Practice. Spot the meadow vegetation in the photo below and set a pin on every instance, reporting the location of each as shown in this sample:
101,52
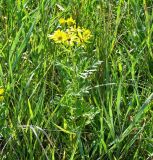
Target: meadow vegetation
89,98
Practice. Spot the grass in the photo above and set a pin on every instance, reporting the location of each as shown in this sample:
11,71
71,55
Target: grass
76,103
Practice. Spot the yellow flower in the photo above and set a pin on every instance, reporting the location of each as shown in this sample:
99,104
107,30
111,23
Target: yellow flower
87,33
70,21
58,36
62,21
84,35
71,39
1,94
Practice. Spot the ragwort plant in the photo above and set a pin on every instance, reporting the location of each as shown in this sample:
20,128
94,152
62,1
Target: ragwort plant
71,41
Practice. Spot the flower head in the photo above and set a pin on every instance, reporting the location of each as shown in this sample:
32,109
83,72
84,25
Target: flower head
87,33
71,39
58,36
62,21
70,21
84,35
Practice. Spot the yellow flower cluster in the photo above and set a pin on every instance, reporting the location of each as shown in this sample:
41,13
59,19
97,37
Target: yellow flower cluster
1,94
70,35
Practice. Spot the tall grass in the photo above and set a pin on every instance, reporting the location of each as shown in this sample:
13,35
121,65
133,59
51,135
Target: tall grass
80,103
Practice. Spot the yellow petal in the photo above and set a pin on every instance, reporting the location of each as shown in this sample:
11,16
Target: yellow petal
1,91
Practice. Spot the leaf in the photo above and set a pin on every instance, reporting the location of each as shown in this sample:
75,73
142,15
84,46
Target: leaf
30,109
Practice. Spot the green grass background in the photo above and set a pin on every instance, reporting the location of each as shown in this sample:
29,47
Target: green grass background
71,104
